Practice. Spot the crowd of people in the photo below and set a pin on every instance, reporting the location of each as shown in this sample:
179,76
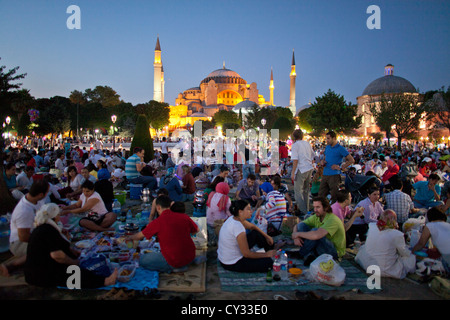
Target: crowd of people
340,193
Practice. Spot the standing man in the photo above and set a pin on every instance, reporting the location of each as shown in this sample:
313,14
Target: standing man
164,151
302,155
333,166
133,167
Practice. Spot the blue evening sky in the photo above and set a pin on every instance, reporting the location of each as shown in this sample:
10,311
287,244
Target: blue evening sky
334,49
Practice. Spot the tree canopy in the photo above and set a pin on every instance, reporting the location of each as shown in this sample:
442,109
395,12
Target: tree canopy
332,112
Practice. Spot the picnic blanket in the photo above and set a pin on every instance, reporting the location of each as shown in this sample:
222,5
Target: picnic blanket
251,282
192,280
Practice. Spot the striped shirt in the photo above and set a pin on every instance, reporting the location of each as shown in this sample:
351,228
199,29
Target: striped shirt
130,167
400,203
275,207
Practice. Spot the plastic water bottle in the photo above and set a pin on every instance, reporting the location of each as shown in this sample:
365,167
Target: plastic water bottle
284,265
129,216
4,234
117,207
145,215
276,268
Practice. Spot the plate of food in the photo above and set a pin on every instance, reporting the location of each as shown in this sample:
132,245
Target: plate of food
84,244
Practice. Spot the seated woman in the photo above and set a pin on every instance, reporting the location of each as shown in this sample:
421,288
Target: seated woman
49,255
98,218
73,184
172,185
341,208
235,243
385,247
438,230
218,208
105,188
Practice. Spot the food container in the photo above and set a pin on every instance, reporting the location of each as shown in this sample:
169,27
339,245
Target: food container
131,228
126,272
295,272
84,244
124,255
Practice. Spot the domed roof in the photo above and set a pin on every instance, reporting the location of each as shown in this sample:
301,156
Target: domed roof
389,84
306,106
224,76
245,105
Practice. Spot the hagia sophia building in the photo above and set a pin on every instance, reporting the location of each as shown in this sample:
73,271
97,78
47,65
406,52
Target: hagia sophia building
225,89
222,89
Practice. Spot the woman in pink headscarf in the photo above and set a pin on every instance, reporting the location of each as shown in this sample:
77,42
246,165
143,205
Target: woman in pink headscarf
392,170
218,204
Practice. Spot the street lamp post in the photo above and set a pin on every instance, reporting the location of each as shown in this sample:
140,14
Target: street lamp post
8,121
114,119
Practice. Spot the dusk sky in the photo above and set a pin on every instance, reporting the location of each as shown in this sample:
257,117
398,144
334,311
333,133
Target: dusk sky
334,48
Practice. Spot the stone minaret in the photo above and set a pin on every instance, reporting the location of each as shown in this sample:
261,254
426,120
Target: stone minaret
162,83
292,75
157,74
271,87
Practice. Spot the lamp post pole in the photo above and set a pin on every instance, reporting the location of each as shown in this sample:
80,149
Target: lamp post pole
114,119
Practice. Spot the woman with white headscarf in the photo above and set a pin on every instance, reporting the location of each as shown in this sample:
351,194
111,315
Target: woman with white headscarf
385,247
49,255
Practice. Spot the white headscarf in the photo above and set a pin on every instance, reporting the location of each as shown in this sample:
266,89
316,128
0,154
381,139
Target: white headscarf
46,214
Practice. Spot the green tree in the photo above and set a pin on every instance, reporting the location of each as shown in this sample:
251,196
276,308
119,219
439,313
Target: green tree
142,138
403,112
303,120
285,127
438,102
332,112
256,114
54,117
157,113
224,116
8,93
104,95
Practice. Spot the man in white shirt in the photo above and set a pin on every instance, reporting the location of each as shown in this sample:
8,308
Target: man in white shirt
22,224
302,156
25,178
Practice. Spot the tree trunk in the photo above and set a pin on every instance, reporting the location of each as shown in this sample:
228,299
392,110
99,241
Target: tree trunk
7,201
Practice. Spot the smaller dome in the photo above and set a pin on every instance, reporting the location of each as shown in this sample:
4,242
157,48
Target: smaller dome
245,106
306,106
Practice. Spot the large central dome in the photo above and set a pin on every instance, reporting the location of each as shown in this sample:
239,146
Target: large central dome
224,76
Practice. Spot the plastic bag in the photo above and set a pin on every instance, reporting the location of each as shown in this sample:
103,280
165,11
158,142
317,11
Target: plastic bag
325,270
414,223
98,264
201,238
261,223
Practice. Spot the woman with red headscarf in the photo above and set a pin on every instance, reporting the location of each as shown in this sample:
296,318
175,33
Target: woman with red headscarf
218,208
392,170
385,247
218,204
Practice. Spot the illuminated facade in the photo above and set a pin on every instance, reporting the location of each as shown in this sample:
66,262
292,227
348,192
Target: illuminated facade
222,89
